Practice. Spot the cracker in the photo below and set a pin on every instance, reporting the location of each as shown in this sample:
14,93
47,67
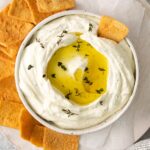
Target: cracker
20,10
6,69
37,135
54,141
26,124
8,90
38,16
112,29
55,5
10,114
12,30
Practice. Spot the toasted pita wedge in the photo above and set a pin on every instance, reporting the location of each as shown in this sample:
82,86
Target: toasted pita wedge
47,6
20,10
8,90
10,113
12,49
5,58
38,16
54,141
12,30
37,135
26,124
6,69
112,29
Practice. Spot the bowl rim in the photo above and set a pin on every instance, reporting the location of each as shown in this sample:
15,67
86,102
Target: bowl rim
94,128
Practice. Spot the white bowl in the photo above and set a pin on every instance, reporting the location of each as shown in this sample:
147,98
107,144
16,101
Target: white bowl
99,126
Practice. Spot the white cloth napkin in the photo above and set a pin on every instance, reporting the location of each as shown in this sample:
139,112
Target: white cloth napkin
136,120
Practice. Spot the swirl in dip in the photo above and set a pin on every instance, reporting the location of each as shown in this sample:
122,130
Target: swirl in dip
74,78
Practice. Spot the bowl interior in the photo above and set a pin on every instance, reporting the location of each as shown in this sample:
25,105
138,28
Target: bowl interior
50,125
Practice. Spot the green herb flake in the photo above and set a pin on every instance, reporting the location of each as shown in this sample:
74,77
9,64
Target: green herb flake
101,102
60,64
86,69
99,91
90,27
53,75
68,112
68,95
44,75
30,67
101,69
77,93
87,81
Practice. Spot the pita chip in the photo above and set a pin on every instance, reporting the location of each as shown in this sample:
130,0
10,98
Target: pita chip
112,29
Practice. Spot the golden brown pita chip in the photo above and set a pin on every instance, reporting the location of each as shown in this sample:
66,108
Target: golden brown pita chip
5,58
20,10
12,30
10,113
47,6
6,69
112,29
37,136
54,141
38,16
26,124
12,49
8,90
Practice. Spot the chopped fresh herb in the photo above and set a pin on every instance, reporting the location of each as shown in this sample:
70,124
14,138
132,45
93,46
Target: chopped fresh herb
29,67
63,86
90,27
99,91
86,69
101,69
65,31
68,112
101,102
58,42
53,75
77,92
77,46
61,36
41,44
87,81
60,64
68,94
44,75
86,55
63,67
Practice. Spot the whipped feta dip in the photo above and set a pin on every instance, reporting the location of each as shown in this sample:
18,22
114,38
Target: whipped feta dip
47,101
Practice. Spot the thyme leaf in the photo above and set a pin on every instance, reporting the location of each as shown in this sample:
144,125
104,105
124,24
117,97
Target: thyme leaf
61,36
68,112
44,75
41,44
30,67
99,91
60,64
90,27
87,81
53,75
86,69
68,94
77,92
101,102
101,69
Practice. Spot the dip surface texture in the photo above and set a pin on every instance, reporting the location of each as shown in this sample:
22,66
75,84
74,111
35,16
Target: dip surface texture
74,78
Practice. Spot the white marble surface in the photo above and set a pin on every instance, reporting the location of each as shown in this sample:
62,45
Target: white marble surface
9,138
